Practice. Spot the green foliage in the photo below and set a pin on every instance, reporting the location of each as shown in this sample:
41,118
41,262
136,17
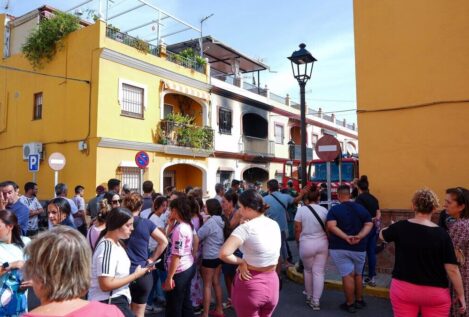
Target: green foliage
140,45
178,129
42,44
191,57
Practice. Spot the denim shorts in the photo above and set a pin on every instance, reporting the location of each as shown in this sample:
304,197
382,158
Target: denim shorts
348,261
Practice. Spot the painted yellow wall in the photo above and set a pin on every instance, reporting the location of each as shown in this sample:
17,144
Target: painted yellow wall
186,175
412,53
195,109
65,115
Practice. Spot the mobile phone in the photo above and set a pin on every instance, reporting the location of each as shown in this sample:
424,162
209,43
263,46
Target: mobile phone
149,265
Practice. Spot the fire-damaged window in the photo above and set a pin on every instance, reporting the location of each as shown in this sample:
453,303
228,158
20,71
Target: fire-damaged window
224,121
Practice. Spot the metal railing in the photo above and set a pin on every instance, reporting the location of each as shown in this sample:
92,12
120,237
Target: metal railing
186,62
257,146
309,153
126,39
187,135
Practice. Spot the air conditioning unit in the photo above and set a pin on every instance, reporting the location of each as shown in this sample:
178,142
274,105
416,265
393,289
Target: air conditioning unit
31,148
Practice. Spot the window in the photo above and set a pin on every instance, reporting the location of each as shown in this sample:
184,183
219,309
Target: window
224,121
37,110
132,101
314,140
278,133
168,109
130,176
225,178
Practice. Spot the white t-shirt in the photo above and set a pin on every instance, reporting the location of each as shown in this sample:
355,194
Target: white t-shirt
158,221
109,259
10,252
80,204
261,241
310,227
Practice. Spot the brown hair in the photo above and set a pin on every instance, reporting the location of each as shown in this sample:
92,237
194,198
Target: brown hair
10,219
133,201
425,201
313,194
461,196
60,260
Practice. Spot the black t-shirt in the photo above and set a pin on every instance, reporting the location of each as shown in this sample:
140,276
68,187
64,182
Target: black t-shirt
421,253
368,201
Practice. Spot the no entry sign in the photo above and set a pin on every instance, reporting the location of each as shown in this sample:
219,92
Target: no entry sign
328,148
142,159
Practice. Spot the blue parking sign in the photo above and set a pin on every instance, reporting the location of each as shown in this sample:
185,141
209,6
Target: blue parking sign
33,162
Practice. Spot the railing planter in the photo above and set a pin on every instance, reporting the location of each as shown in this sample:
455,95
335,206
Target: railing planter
186,135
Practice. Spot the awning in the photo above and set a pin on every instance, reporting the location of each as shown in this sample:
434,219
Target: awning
186,90
127,164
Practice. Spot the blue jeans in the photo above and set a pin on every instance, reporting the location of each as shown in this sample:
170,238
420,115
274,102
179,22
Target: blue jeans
159,277
371,253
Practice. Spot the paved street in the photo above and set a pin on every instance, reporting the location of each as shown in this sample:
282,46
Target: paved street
292,304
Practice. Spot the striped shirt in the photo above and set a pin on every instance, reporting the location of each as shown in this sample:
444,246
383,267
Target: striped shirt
109,259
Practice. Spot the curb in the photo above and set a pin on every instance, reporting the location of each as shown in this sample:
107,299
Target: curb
296,277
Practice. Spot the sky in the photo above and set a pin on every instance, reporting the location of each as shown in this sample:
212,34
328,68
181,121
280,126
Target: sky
262,29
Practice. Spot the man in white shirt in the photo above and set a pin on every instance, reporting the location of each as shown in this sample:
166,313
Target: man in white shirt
30,200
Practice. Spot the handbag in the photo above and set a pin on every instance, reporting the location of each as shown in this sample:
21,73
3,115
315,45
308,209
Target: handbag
12,298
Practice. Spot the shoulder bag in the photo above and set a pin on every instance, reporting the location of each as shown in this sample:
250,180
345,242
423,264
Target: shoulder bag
317,217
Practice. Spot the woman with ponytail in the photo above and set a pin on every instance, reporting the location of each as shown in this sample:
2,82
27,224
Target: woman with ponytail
12,287
110,269
255,290
179,259
99,223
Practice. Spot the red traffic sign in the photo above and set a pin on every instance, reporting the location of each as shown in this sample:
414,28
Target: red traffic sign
328,148
57,161
142,159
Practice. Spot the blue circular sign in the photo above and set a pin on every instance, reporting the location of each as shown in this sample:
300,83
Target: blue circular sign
142,159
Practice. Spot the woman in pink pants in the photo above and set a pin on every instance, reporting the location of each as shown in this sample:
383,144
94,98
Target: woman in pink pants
425,260
310,231
255,289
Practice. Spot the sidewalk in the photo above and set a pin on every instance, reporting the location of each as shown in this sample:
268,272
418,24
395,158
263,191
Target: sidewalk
334,281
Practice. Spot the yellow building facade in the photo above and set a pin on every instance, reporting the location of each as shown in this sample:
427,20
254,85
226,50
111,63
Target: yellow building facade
83,92
412,76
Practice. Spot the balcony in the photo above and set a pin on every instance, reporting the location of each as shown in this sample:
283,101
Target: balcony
126,39
145,47
309,153
185,135
256,146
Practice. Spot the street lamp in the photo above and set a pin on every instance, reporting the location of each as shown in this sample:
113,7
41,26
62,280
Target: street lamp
300,61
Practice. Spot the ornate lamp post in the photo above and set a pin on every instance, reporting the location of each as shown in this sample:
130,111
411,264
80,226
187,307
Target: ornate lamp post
302,66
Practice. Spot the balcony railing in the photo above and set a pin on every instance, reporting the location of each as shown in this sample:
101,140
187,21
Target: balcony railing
186,62
126,39
257,146
186,135
309,153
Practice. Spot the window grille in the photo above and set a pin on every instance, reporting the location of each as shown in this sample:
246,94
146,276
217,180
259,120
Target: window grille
132,102
37,109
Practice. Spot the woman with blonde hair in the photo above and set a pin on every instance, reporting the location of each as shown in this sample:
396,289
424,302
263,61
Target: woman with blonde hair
425,259
59,265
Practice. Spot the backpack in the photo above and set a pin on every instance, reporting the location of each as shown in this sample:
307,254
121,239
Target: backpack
12,299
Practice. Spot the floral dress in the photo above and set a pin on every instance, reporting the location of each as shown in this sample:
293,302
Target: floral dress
459,233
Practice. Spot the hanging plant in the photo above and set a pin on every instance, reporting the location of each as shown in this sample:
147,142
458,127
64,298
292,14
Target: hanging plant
42,44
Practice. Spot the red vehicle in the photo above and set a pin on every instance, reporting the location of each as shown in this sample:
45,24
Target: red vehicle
317,173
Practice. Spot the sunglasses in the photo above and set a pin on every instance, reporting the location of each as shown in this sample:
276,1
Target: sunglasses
117,201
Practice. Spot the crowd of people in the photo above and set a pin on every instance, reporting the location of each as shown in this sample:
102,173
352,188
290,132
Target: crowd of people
125,253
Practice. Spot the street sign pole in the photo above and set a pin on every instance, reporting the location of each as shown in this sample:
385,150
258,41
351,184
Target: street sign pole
34,177
56,180
329,185
141,181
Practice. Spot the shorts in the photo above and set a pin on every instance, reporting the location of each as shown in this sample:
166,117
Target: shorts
211,263
141,288
348,261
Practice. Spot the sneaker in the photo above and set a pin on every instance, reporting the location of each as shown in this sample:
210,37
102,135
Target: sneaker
227,304
372,282
348,308
359,304
315,306
198,310
153,309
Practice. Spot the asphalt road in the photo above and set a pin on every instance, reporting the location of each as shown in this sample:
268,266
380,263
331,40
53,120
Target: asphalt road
292,303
